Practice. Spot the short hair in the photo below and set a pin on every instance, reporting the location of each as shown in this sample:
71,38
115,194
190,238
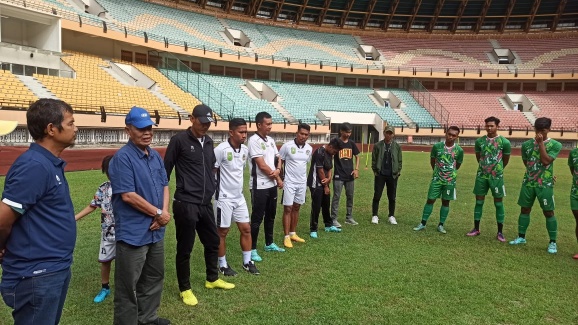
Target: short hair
336,144
105,163
455,128
236,122
303,126
261,116
43,112
492,119
542,123
345,127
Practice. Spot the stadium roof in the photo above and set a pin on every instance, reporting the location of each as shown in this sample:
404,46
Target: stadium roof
450,16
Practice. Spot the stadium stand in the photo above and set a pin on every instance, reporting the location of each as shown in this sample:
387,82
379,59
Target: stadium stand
303,101
561,107
417,113
93,87
470,109
14,92
536,52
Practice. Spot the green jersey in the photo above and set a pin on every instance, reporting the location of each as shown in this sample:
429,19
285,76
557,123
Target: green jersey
538,175
446,159
492,151
573,162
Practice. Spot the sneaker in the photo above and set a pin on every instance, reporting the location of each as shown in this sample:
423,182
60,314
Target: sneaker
158,321
219,284
351,221
227,271
189,298
419,227
575,257
501,237
274,248
474,232
392,220
336,224
332,229
286,242
552,248
255,256
518,241
251,268
441,229
375,220
313,234
101,295
297,238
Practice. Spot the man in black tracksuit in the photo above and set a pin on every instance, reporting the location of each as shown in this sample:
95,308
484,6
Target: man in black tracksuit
191,153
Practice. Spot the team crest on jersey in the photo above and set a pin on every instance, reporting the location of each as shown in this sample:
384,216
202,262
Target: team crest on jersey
308,152
244,157
271,144
293,151
229,156
263,146
192,148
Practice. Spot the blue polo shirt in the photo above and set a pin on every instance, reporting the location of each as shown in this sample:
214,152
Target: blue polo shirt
131,170
43,237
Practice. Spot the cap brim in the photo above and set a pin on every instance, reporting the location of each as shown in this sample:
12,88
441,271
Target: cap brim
204,119
7,127
143,124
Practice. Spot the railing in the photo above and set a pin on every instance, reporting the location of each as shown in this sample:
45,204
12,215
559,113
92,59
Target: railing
425,99
29,70
374,66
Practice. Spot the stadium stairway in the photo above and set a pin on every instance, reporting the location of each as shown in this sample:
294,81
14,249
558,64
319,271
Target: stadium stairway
36,87
182,112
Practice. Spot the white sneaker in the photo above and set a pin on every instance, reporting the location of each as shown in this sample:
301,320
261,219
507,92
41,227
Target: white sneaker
392,220
375,220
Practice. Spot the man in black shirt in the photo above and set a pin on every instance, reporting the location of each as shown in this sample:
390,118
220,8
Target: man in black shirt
386,165
344,174
318,181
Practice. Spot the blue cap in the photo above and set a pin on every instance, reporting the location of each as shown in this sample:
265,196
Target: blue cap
138,117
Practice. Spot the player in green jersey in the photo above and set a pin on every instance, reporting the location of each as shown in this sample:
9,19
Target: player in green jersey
573,163
445,159
538,155
493,154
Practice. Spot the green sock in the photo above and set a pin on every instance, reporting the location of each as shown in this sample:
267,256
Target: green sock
552,226
444,211
427,210
478,210
500,213
523,223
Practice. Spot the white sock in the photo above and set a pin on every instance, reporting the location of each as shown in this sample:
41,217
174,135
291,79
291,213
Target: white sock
287,236
292,233
246,257
222,261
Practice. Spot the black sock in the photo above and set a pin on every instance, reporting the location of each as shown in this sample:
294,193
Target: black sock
521,235
477,224
423,222
500,227
440,224
105,286
552,241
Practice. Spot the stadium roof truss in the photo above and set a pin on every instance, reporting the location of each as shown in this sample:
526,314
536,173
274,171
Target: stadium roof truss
449,16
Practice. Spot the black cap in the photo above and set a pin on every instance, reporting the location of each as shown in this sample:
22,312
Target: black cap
203,113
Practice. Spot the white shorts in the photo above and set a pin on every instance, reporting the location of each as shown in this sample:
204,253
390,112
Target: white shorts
294,194
107,251
227,211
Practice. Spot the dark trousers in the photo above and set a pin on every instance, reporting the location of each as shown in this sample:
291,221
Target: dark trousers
319,203
138,282
191,218
264,202
379,183
39,299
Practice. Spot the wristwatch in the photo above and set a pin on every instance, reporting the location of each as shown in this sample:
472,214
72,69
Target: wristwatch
159,213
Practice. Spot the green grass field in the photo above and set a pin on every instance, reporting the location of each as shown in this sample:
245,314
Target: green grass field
369,274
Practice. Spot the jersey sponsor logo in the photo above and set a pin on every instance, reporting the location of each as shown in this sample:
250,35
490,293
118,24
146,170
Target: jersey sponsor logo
345,153
229,156
58,180
192,148
293,151
263,146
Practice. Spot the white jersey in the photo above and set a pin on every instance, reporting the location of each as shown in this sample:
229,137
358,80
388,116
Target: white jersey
266,148
296,158
230,163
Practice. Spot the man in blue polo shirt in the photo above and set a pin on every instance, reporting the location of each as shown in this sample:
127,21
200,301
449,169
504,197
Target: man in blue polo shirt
140,200
37,227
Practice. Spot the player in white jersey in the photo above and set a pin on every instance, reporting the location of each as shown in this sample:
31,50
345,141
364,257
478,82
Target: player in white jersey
295,155
230,205
263,184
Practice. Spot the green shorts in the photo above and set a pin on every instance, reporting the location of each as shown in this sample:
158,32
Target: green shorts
446,192
545,197
496,186
574,200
